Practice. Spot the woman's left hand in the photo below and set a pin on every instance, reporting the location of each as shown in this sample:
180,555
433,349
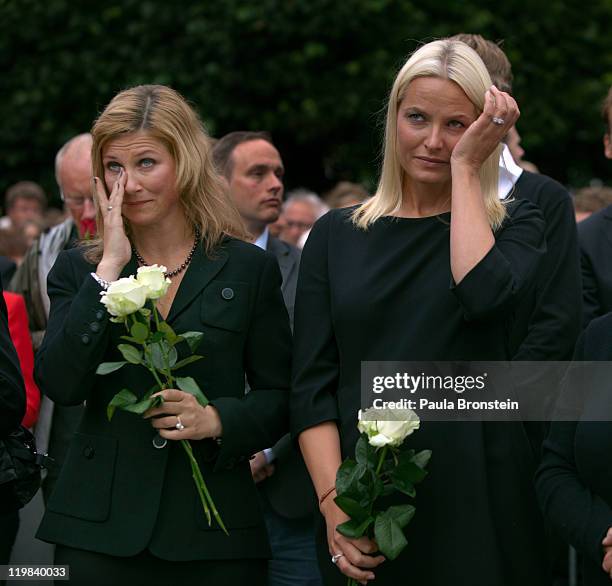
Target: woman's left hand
607,548
181,417
480,139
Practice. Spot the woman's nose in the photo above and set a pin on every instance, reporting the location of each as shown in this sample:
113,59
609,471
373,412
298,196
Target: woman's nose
433,140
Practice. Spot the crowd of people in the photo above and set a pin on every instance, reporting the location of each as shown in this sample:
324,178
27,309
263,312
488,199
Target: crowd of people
464,252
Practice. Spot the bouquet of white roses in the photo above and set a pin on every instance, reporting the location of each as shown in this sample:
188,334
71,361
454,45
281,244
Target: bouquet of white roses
379,469
151,343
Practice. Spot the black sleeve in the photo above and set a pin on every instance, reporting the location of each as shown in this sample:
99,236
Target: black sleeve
554,323
497,281
580,516
73,347
315,359
589,232
12,390
258,420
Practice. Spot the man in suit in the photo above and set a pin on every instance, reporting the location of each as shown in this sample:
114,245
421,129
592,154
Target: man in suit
595,236
253,170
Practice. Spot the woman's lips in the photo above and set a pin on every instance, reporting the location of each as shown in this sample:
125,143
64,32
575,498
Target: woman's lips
136,203
432,162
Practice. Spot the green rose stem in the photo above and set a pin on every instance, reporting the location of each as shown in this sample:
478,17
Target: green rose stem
205,497
381,461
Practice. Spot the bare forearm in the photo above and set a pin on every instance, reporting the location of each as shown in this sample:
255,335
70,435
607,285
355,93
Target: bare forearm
320,447
471,237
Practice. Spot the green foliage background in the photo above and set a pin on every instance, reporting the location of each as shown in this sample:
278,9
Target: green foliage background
313,72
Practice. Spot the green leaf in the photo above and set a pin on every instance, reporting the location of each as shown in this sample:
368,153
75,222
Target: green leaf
365,453
186,361
140,332
188,385
130,339
108,367
168,332
348,476
422,458
402,514
193,339
171,353
402,485
157,356
157,337
352,508
121,400
144,311
131,354
143,405
389,536
409,472
353,529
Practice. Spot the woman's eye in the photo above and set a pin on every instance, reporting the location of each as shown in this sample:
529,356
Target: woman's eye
456,124
113,167
147,163
415,117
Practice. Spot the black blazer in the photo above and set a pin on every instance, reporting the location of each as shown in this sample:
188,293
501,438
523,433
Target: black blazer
574,482
547,322
12,391
117,494
595,238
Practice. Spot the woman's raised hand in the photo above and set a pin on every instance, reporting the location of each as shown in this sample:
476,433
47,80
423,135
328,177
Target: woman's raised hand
353,556
117,247
486,132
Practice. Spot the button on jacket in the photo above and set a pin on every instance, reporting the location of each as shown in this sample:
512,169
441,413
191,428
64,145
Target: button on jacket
119,493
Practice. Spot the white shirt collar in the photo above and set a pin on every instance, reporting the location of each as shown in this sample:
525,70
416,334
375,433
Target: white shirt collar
509,172
262,241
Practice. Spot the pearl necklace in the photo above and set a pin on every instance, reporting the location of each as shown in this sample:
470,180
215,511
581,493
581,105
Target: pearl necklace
184,265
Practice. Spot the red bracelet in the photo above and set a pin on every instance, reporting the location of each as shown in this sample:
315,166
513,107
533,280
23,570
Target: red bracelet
326,494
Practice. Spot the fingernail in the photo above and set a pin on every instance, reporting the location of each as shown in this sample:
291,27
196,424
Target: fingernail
95,180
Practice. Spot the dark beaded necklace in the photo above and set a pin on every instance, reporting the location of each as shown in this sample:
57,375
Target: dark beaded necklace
176,271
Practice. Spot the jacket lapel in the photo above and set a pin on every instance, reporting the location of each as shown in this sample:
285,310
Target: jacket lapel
200,272
285,262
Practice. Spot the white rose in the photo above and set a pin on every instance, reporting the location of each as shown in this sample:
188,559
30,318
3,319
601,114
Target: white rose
153,279
391,431
124,296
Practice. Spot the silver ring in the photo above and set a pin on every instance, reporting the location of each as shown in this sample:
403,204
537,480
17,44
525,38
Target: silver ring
109,208
336,557
179,424
498,121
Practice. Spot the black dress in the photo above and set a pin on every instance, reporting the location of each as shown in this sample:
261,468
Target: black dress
388,294
574,482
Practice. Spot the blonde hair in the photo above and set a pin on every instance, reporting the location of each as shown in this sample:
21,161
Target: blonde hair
164,114
444,59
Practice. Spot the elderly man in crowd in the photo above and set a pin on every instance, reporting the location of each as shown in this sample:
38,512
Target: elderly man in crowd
595,235
73,173
301,210
253,170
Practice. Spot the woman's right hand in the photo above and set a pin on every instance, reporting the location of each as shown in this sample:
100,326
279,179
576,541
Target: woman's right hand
117,248
356,560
